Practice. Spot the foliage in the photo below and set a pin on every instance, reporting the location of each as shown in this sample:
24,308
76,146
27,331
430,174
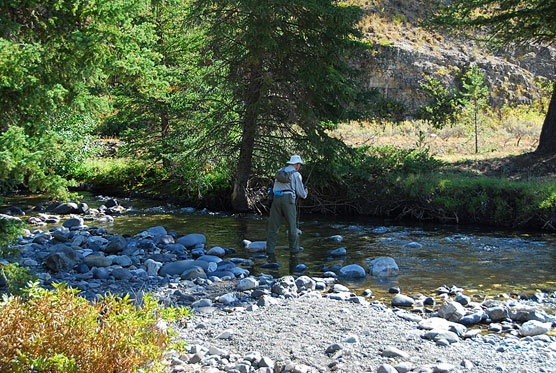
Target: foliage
121,174
342,180
387,109
442,109
485,200
16,277
157,81
474,98
509,21
506,20
25,161
183,179
51,56
283,73
9,230
58,331
75,142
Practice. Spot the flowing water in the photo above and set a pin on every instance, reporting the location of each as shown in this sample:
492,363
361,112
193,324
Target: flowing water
480,260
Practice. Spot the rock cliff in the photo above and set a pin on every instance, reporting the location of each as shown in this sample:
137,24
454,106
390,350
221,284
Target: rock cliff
404,52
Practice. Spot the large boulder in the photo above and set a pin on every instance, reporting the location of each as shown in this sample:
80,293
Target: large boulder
451,311
13,211
217,251
338,252
123,260
116,245
193,273
285,286
175,248
176,268
74,221
97,261
534,327
210,258
66,208
384,266
497,313
157,231
305,283
122,274
153,267
401,300
60,233
352,271
192,240
63,259
248,283
205,265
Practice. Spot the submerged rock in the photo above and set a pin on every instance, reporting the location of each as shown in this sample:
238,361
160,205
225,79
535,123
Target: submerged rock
383,267
352,271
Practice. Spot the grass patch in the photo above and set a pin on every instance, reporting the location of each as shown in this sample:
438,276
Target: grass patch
456,198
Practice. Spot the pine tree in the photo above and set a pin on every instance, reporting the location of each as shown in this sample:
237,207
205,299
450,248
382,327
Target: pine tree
283,67
509,21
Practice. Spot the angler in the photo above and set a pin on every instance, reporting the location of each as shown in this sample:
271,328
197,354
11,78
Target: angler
288,186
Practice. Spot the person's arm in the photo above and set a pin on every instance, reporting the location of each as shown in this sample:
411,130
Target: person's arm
300,190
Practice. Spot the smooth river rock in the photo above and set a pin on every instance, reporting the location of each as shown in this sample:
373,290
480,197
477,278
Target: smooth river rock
97,261
352,271
192,240
401,300
383,267
176,268
534,327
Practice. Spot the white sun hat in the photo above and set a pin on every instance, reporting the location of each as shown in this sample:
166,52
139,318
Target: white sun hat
295,159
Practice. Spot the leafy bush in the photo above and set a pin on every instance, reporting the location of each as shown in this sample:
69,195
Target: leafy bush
24,161
73,135
9,230
469,199
388,109
443,103
15,277
58,331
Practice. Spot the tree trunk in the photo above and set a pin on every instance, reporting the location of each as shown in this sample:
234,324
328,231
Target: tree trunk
245,161
547,141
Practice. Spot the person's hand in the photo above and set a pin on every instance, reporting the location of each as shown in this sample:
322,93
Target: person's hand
306,191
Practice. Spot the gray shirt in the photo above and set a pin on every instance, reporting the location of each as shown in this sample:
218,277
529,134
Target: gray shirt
295,186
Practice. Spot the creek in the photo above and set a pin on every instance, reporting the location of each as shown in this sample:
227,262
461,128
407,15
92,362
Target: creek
480,260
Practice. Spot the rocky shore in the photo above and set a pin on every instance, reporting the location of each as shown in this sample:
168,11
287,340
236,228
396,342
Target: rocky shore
245,323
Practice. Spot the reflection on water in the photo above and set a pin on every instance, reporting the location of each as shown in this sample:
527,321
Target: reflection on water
428,256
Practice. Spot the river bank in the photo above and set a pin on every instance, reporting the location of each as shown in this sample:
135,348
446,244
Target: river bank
245,322
397,184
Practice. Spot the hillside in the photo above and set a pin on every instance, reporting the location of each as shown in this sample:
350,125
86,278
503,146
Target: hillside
403,52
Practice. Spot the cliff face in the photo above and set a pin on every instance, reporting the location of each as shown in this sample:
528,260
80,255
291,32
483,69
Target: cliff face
403,53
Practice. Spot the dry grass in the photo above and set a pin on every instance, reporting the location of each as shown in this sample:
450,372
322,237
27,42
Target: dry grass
510,133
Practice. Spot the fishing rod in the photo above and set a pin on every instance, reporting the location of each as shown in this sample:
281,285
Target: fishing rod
298,212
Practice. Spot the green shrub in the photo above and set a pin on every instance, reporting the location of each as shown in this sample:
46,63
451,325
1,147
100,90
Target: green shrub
16,277
9,230
25,160
58,331
473,199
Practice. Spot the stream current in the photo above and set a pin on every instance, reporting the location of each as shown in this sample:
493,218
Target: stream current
480,260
